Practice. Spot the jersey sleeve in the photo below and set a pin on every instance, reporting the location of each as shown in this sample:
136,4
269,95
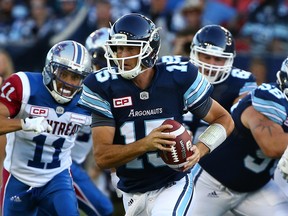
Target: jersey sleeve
91,100
244,80
271,102
198,89
11,94
248,86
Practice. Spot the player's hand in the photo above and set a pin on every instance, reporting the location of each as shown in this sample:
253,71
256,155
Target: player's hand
157,139
192,160
283,164
38,125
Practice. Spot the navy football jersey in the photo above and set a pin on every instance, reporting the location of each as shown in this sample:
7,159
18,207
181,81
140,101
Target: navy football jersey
238,82
174,88
239,163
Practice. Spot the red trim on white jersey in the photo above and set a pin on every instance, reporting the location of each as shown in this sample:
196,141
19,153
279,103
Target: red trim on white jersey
11,94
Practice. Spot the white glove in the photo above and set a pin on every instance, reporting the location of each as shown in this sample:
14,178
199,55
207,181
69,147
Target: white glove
114,181
38,125
283,164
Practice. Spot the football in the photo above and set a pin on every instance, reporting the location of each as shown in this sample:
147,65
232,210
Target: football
176,159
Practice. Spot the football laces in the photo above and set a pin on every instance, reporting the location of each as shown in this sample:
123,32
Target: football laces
174,154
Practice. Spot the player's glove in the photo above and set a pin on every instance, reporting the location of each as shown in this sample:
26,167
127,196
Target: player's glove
114,181
283,164
38,125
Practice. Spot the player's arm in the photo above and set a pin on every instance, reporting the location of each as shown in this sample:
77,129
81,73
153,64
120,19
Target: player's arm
240,97
8,125
269,135
221,125
10,104
2,154
108,154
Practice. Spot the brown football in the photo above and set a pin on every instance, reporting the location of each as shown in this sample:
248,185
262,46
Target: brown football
176,159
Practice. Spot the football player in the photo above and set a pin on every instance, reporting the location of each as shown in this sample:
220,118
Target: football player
237,177
95,44
281,173
213,52
40,117
129,103
91,200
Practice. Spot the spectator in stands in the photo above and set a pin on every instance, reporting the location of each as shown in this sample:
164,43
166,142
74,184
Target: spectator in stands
258,68
10,12
6,65
41,20
266,28
103,13
192,11
182,42
166,18
71,21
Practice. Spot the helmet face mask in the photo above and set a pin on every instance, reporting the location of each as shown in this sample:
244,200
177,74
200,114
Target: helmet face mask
61,85
144,51
132,30
67,64
217,42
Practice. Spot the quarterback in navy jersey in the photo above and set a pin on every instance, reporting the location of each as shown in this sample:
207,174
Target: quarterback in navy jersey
237,177
41,119
129,103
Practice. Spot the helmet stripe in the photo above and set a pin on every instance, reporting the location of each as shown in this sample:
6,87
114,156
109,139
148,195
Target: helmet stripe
79,53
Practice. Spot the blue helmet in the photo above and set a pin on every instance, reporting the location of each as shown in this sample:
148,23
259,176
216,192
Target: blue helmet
133,30
65,56
213,40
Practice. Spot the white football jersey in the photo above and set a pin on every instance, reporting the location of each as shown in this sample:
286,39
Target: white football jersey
31,157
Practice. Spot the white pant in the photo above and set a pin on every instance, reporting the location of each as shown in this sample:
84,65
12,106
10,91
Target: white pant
161,202
280,181
212,198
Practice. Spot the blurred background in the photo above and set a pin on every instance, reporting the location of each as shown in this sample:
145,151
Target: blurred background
28,28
